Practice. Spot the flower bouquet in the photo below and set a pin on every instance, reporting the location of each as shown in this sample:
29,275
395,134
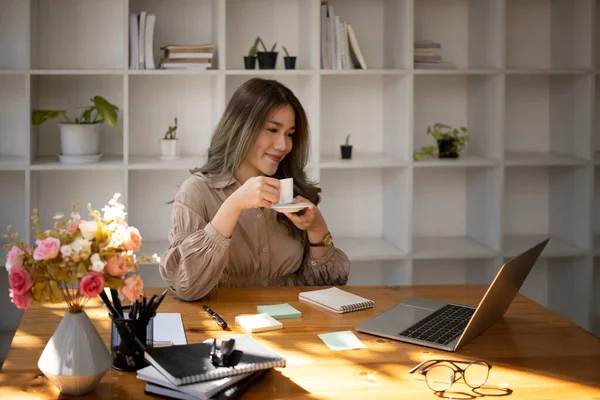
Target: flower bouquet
74,262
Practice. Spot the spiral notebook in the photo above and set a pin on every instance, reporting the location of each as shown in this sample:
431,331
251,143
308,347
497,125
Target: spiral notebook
336,300
190,363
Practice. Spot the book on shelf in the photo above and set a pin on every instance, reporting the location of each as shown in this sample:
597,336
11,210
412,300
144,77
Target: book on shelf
141,40
427,55
191,363
339,43
187,56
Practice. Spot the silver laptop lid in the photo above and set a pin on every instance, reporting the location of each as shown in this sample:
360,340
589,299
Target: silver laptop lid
501,292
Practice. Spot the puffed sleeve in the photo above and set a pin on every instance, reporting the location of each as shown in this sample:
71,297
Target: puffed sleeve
198,253
332,269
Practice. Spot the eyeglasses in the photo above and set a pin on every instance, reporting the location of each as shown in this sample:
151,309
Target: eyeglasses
440,376
220,357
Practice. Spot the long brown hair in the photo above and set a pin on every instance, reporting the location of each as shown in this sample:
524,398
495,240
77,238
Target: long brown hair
243,120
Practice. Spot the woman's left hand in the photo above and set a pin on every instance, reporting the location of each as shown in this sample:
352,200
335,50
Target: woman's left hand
311,220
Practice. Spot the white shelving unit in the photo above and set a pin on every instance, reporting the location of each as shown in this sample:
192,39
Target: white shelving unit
526,86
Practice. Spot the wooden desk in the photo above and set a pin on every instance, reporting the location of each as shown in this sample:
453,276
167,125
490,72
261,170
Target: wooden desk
534,352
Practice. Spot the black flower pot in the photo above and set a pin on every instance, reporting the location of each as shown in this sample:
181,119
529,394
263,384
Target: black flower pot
267,59
290,62
446,149
346,151
250,62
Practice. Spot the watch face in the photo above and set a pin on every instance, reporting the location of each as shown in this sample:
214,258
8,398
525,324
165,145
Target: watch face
327,241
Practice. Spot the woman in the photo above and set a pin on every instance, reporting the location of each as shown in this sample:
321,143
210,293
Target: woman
223,230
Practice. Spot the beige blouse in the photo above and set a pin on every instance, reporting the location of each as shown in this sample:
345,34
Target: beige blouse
261,250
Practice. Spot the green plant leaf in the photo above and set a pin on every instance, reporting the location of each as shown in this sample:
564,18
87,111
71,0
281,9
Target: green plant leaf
286,52
252,51
38,117
107,111
262,43
86,115
417,156
273,48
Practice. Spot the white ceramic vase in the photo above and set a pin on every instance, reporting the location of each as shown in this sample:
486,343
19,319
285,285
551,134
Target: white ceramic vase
79,139
75,358
169,149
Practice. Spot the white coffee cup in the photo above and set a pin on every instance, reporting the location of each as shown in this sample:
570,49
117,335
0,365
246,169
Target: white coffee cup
286,190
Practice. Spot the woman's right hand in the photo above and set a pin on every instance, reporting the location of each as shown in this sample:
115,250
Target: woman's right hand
258,191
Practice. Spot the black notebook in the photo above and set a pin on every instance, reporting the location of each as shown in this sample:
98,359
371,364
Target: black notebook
190,363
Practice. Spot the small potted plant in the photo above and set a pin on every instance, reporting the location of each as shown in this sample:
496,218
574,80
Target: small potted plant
168,144
289,61
346,149
267,59
450,141
80,138
250,59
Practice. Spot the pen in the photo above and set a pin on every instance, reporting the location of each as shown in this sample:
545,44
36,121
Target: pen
215,317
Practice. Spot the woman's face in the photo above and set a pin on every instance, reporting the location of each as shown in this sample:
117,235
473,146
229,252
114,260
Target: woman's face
274,142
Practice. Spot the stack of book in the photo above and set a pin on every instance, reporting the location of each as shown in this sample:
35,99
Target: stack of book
427,55
339,45
187,372
187,56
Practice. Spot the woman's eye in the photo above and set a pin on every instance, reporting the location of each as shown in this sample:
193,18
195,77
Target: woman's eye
290,134
272,130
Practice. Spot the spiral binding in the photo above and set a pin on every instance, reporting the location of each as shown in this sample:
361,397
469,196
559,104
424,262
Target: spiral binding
226,372
357,306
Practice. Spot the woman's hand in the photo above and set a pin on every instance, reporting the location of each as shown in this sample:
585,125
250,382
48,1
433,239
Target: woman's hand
256,192
311,220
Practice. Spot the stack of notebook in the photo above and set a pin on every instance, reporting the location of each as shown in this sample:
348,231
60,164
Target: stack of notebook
186,371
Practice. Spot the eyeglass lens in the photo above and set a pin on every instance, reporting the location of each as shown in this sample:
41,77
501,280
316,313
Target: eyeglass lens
476,374
439,378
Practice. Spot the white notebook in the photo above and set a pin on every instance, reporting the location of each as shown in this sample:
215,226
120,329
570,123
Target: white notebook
336,300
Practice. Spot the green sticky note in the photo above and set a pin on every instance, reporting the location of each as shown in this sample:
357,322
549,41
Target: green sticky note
280,311
345,340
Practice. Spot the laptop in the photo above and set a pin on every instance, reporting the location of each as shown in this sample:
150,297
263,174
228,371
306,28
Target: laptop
449,326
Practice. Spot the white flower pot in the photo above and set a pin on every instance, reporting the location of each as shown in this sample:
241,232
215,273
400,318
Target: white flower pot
75,358
79,139
169,149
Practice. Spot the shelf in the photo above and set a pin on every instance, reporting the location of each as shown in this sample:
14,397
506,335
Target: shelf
450,247
456,71
330,161
78,72
160,72
516,244
548,34
532,158
547,71
367,71
155,163
269,72
11,72
466,160
52,163
13,163
368,249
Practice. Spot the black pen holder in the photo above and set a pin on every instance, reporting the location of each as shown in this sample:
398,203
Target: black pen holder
127,353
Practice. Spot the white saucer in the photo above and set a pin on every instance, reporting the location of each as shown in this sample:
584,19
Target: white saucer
87,159
290,207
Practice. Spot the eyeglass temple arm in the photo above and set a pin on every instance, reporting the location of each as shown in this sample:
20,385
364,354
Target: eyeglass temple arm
420,365
449,361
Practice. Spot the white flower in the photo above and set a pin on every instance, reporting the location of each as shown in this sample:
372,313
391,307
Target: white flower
58,216
75,216
114,214
66,250
81,245
119,237
97,263
88,229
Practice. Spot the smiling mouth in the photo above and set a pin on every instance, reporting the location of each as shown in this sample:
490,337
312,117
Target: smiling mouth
274,158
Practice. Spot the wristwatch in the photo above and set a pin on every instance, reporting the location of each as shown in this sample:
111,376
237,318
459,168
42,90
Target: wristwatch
324,242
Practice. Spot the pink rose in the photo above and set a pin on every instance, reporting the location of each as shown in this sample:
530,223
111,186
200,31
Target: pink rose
116,265
21,301
91,284
14,258
73,226
133,287
135,240
46,249
20,280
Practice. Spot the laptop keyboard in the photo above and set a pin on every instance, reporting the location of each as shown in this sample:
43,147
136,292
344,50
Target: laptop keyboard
441,327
